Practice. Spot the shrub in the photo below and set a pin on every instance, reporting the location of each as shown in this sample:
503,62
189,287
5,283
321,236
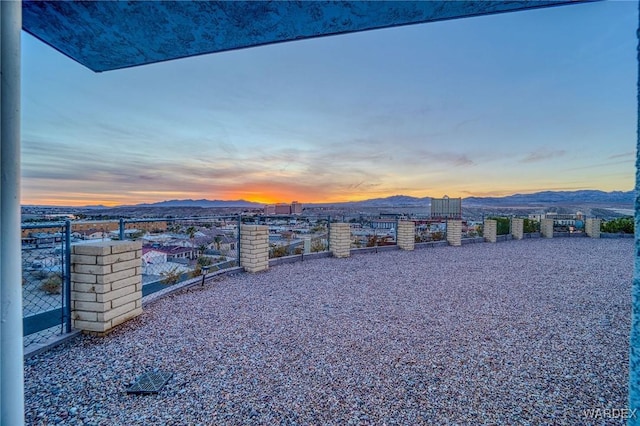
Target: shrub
279,251
437,236
530,226
317,245
171,277
197,271
623,225
503,225
204,261
53,284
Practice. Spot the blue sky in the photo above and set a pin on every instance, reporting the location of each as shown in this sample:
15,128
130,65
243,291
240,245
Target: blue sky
494,105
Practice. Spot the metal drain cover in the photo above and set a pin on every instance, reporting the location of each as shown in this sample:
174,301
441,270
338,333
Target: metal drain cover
150,382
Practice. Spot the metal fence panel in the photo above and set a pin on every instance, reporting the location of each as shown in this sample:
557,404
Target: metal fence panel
46,281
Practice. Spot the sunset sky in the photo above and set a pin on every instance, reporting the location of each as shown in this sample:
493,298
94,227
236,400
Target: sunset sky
494,105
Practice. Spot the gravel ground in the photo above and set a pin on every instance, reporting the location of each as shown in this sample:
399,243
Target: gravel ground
519,332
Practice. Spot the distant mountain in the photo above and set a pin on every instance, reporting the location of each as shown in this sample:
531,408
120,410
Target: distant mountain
393,201
202,203
589,197
555,197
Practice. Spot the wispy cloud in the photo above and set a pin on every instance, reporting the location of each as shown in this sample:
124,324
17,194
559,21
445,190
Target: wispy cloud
543,155
631,155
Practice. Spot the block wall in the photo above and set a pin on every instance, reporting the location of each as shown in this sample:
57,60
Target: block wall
254,248
106,284
546,228
517,228
454,232
340,240
592,227
406,235
490,230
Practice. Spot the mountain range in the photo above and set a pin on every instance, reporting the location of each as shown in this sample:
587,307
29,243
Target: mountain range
614,198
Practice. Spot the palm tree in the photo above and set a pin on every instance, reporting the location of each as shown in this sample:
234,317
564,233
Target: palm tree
191,231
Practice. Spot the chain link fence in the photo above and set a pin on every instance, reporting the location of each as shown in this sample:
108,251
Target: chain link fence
45,281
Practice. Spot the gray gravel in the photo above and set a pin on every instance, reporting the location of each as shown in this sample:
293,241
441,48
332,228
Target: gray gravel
519,332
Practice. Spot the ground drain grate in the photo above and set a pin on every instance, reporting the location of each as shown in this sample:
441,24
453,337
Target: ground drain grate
150,382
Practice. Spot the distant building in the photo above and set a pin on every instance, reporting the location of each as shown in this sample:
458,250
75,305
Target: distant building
446,208
174,252
296,207
383,223
283,208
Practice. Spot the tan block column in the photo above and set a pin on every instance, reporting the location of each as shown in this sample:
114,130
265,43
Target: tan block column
490,230
106,284
406,235
592,227
340,239
254,247
454,232
517,228
546,228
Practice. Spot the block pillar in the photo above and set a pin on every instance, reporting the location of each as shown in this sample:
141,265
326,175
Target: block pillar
517,228
592,227
340,240
254,248
546,228
490,230
406,235
106,284
454,232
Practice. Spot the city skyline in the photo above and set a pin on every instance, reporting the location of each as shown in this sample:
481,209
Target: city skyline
485,106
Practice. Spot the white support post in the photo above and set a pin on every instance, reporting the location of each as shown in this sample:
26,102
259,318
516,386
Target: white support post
11,346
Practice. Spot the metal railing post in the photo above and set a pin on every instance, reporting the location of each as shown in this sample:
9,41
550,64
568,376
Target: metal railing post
121,229
238,245
67,276
328,233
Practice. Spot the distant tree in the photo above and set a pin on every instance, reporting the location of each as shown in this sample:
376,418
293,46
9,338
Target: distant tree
530,226
204,261
623,225
191,232
217,239
503,225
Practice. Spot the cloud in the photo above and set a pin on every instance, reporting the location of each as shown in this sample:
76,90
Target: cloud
542,155
631,155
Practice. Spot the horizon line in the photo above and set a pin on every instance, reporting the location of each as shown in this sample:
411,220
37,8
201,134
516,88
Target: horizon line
102,205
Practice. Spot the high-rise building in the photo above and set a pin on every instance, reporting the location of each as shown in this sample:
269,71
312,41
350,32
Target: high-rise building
282,208
446,208
296,207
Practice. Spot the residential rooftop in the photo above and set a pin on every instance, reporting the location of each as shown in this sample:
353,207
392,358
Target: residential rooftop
519,332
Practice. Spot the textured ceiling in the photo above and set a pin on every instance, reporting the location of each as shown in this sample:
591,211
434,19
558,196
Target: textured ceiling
106,35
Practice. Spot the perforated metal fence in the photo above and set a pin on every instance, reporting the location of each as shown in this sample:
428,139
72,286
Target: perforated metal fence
294,235
46,284
178,249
